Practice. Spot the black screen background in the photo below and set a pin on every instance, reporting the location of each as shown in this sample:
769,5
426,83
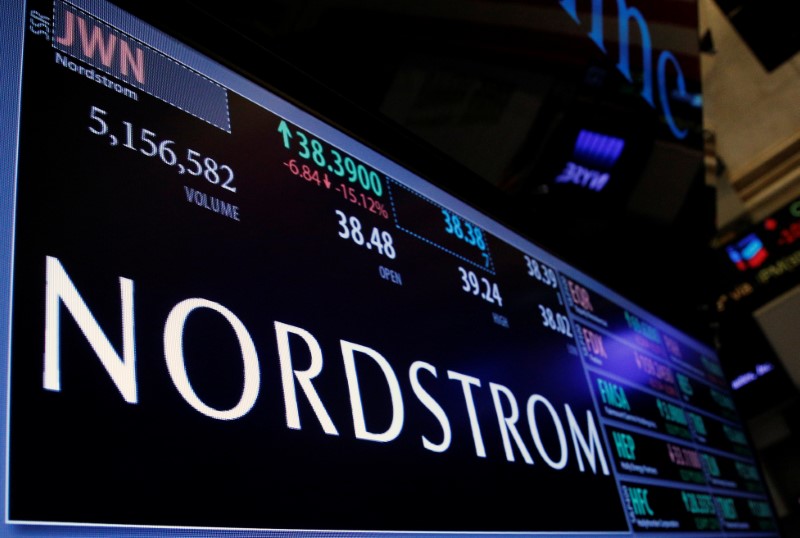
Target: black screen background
84,455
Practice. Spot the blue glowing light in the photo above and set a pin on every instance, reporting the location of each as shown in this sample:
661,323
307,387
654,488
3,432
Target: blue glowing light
749,252
598,150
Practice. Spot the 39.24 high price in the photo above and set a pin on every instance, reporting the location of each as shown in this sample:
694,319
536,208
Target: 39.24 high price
480,287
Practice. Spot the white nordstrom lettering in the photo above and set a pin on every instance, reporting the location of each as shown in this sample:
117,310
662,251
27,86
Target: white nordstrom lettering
122,371
396,400
592,449
173,352
466,383
508,423
60,289
431,405
537,440
304,377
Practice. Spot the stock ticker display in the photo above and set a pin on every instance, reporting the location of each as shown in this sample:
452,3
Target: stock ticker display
227,314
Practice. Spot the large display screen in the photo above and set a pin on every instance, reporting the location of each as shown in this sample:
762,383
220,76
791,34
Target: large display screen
224,314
